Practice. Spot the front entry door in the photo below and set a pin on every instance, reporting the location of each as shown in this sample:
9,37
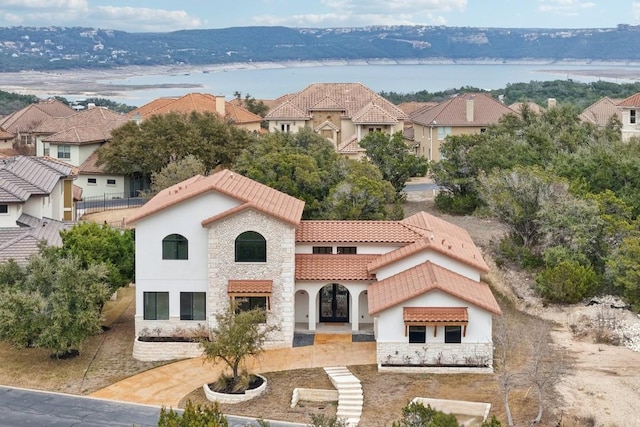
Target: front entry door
334,303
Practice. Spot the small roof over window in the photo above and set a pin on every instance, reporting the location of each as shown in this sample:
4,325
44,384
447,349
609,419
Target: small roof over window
244,287
430,315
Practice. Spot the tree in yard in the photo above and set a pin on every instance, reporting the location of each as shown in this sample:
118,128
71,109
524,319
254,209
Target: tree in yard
623,270
164,139
393,158
93,243
238,334
56,305
515,197
176,172
505,342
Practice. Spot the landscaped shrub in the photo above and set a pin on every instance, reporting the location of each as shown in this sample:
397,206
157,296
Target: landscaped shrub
567,282
193,416
415,414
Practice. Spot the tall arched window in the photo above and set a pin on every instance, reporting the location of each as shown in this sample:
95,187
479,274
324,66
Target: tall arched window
251,247
175,246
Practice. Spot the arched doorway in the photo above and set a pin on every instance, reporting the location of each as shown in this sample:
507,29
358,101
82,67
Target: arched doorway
334,303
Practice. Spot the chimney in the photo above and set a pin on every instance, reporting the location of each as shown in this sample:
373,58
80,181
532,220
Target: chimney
551,103
220,106
470,109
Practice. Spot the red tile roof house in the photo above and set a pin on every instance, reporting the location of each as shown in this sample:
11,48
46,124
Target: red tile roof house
344,113
414,284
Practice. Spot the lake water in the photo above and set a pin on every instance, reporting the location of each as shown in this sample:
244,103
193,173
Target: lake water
263,83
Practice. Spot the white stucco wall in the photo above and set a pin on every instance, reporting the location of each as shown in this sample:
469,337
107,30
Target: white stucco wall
307,248
14,210
428,255
279,268
153,274
308,306
101,188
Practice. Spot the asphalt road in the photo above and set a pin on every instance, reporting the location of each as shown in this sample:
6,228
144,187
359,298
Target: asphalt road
421,187
20,407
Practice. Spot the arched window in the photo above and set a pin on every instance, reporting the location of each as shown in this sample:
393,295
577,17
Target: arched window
251,247
175,246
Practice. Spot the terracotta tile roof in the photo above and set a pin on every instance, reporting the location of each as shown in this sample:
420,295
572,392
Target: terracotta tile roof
453,112
425,278
4,135
77,192
90,167
517,107
249,286
601,112
274,202
355,232
350,146
97,117
199,102
435,314
31,116
411,106
631,101
373,114
347,97
333,267
80,135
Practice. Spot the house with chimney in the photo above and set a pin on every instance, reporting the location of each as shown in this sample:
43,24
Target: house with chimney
343,113
464,114
413,286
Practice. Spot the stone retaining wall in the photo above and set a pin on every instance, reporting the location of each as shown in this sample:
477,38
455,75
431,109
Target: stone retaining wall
313,395
160,351
399,357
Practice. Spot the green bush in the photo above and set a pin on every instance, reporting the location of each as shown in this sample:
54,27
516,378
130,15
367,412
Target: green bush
415,414
193,416
567,282
464,204
513,250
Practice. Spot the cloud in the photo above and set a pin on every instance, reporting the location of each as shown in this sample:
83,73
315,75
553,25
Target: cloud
355,13
635,8
144,19
565,7
27,12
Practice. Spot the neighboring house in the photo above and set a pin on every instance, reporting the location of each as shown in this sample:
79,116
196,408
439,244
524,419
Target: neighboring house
601,112
630,116
344,113
464,114
533,107
6,139
412,285
22,122
36,202
202,103
74,140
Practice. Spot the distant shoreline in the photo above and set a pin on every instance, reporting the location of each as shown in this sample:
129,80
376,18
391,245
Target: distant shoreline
92,83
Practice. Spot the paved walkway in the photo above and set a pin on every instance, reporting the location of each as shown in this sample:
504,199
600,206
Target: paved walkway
168,384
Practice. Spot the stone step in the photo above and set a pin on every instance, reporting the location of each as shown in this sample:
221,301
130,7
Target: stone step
348,413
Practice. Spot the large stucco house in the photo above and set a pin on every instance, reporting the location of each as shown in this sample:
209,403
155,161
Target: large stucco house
630,116
412,285
344,113
464,114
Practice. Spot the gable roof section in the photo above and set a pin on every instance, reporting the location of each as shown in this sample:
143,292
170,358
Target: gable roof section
425,278
19,243
373,114
236,186
629,102
601,112
319,231
345,97
350,146
26,119
88,126
453,112
4,135
333,267
240,115
24,176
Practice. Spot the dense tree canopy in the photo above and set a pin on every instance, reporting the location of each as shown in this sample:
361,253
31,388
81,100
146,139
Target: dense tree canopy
163,139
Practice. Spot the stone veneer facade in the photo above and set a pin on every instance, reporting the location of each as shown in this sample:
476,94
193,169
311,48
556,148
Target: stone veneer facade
279,268
431,355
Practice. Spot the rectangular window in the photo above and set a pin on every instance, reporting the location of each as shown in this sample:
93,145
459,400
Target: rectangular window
92,181
192,305
443,132
347,250
453,334
323,250
632,117
4,209
111,182
156,305
247,303
285,127
417,334
64,151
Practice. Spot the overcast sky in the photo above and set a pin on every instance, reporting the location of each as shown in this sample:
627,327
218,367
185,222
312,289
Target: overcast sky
170,15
